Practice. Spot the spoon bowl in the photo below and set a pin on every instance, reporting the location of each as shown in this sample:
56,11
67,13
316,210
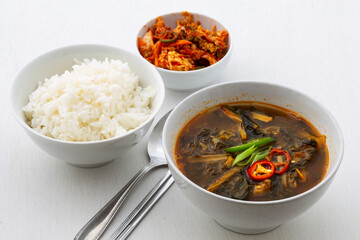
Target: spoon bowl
154,146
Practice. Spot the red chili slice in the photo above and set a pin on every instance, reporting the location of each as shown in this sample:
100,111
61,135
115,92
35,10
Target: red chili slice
279,171
261,170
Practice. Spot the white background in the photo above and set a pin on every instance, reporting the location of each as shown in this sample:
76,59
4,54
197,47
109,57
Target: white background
312,46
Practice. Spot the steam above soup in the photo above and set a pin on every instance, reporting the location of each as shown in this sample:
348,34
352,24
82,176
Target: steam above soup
252,151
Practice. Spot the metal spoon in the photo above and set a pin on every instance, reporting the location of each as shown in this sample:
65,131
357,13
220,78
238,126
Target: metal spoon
97,225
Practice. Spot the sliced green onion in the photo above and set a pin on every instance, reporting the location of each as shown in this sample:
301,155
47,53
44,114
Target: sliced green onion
257,155
244,163
244,154
253,155
257,151
193,31
258,142
170,40
185,36
182,34
261,155
191,27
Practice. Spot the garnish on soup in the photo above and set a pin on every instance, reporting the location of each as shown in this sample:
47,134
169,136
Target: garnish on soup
252,151
186,47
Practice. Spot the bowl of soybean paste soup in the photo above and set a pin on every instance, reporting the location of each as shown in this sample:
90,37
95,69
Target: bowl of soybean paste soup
252,151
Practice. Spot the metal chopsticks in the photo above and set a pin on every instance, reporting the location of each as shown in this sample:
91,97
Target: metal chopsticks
134,218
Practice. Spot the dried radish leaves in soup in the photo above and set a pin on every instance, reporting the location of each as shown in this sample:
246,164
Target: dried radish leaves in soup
252,151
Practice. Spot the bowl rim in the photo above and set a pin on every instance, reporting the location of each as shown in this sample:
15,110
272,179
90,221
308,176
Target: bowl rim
227,54
160,92
173,166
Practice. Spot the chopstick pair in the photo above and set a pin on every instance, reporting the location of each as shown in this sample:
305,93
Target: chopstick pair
134,218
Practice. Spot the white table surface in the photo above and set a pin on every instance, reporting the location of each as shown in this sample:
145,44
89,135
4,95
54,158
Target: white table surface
309,45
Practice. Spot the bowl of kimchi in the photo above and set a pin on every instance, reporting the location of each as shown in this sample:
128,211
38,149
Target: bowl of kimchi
189,50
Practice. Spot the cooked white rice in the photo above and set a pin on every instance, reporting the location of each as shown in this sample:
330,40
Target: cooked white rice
96,100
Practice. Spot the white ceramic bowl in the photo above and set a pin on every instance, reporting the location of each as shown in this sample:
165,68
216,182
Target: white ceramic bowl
83,154
252,217
190,80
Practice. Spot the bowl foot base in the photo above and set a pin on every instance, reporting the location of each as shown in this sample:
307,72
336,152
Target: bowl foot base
249,231
90,165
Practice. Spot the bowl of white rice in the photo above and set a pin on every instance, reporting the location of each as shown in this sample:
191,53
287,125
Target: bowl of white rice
87,104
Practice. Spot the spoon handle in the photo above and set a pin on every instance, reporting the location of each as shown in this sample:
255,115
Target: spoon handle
97,224
142,209
134,214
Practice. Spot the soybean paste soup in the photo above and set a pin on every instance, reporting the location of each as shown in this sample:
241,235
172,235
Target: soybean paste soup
252,151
